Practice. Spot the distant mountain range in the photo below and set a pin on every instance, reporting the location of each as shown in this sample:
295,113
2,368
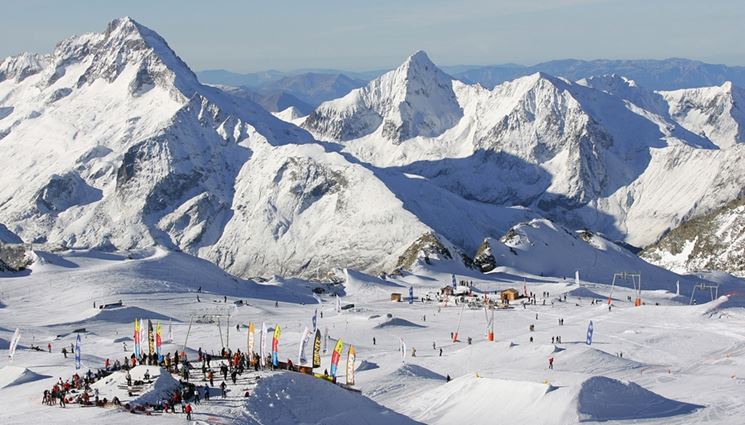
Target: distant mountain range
316,86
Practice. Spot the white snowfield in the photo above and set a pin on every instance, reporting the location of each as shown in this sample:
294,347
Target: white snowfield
665,364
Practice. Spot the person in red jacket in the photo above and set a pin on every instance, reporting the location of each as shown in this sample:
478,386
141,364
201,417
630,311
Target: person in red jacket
187,409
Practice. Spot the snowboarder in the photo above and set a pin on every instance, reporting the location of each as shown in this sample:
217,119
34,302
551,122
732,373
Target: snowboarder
413,352
49,347
551,362
447,378
129,379
64,352
440,351
124,345
224,387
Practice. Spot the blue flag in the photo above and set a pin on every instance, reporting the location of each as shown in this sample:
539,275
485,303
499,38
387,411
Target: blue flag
455,284
77,352
589,334
411,295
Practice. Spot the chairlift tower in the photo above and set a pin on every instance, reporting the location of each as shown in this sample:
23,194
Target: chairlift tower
712,287
636,281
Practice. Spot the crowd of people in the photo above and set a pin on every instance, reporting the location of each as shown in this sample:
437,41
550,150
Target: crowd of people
229,364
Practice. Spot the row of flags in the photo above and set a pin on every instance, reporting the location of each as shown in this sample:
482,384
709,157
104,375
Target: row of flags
305,338
152,336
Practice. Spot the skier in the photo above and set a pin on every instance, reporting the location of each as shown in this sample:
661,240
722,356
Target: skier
447,378
64,351
434,347
551,362
223,387
187,409
211,377
440,351
206,393
124,345
373,340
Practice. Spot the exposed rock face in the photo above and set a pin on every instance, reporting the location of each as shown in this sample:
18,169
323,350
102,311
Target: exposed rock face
714,241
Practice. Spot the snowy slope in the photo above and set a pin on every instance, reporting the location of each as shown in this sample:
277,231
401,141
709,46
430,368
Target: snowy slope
543,248
111,142
588,154
715,112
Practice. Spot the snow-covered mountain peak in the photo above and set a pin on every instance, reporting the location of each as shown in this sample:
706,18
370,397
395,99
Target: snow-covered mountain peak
716,112
415,99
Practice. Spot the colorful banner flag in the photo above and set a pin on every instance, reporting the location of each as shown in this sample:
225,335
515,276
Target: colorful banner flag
250,339
317,349
150,339
411,295
262,344
77,352
351,356
137,338
335,356
304,339
589,334
157,340
143,335
275,346
14,343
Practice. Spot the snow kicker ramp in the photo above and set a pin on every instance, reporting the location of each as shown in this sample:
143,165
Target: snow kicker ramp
397,322
603,399
293,398
469,399
13,375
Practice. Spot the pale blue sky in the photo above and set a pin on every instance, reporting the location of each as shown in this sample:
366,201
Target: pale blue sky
252,35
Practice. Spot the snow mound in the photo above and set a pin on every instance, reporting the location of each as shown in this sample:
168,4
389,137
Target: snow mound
292,398
416,371
14,375
397,321
602,399
472,400
163,384
367,365
128,315
594,361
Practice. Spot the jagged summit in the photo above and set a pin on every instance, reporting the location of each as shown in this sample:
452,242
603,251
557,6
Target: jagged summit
415,99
